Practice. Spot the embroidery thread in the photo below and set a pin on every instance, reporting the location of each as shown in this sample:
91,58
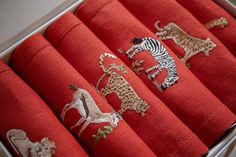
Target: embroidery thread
136,66
191,45
90,113
162,57
219,22
26,148
118,84
101,133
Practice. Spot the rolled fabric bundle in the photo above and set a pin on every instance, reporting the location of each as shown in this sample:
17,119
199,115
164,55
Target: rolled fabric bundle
218,70
197,107
216,19
88,116
159,128
28,126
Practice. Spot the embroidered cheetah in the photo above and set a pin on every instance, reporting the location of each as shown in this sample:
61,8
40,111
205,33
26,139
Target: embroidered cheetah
117,84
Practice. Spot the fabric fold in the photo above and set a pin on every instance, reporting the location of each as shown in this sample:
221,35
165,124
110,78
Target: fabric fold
27,123
216,19
216,71
191,101
158,127
81,109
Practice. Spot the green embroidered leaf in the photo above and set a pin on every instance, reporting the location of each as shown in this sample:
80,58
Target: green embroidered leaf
97,139
108,129
104,136
100,131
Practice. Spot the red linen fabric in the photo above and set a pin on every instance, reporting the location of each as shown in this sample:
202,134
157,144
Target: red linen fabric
198,108
50,74
21,108
208,10
159,128
218,71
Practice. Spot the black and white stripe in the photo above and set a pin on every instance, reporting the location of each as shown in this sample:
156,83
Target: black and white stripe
160,54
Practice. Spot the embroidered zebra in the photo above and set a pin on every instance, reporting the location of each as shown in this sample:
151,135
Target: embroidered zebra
162,57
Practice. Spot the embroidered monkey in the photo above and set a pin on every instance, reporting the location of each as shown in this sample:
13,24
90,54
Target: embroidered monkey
26,148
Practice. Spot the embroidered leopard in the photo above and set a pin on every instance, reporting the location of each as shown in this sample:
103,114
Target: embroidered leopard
117,84
191,45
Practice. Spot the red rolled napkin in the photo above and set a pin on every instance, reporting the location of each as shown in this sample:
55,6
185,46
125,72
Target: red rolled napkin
28,126
216,19
81,108
216,71
198,108
156,124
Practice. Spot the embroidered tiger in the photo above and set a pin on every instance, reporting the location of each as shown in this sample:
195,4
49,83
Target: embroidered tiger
219,22
117,84
191,45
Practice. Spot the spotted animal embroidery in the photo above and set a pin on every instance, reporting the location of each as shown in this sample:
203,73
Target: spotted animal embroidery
219,22
26,148
90,113
162,57
118,84
191,45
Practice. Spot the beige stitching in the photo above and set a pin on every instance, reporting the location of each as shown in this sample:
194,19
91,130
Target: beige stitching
191,45
136,66
90,113
24,147
219,22
117,84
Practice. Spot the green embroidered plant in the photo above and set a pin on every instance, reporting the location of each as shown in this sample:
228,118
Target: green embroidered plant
102,133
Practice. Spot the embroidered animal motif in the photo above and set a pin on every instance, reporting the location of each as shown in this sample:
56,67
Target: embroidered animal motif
137,66
88,109
118,84
26,148
219,22
191,45
162,57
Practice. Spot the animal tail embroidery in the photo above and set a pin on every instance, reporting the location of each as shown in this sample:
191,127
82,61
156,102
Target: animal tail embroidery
14,135
108,71
157,26
101,62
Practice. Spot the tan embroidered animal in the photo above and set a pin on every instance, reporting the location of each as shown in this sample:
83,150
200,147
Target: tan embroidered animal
25,148
88,109
220,22
191,45
117,84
